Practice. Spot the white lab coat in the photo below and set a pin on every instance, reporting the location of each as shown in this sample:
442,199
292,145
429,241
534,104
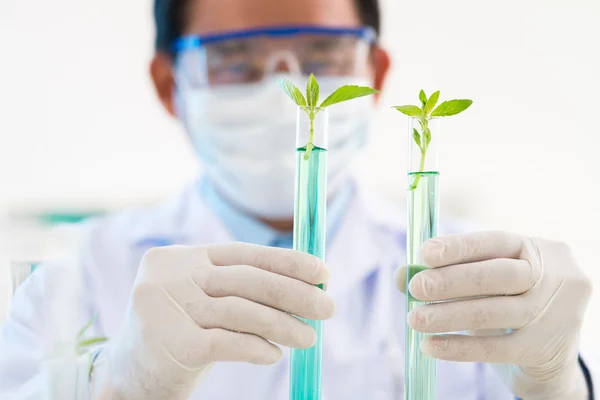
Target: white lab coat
363,343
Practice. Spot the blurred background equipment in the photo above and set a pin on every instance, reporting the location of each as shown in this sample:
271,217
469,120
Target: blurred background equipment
48,244
20,271
36,238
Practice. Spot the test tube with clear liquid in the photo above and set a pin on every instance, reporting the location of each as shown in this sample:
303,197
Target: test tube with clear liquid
309,237
64,371
420,376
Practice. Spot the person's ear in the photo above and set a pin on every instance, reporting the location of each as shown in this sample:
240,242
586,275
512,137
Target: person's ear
380,60
164,82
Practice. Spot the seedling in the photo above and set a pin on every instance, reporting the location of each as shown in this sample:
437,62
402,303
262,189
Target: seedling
424,114
83,344
309,103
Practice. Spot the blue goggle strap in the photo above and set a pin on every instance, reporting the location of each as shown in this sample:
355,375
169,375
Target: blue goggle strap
194,41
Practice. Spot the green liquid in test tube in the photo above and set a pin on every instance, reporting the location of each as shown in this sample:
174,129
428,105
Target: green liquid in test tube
309,237
420,381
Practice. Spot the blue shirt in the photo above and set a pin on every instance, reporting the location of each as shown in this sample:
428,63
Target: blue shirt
247,229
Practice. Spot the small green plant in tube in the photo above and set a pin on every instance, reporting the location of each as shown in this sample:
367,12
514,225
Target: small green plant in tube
310,211
425,113
310,103
420,372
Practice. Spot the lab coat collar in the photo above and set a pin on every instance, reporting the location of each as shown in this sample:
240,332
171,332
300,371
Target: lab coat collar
239,225
186,220
245,228
368,236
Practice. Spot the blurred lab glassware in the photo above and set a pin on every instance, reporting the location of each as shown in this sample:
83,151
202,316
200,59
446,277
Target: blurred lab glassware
65,368
20,271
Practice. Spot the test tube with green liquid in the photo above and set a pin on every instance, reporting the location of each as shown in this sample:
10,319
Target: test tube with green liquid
420,376
309,237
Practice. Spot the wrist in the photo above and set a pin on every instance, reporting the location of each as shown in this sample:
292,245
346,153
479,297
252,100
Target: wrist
570,385
119,373
100,385
577,387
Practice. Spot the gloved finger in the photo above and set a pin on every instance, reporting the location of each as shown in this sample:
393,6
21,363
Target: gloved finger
475,314
501,349
242,347
241,315
471,247
404,273
499,276
290,263
400,278
277,291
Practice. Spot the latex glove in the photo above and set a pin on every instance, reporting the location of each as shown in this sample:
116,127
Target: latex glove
533,293
194,306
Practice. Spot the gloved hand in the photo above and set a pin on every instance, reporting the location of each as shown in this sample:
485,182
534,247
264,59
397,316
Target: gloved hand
521,299
194,306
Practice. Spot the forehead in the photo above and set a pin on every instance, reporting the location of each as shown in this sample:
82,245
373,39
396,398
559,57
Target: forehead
210,16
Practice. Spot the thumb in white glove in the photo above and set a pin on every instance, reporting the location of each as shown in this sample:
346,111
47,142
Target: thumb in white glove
531,288
194,306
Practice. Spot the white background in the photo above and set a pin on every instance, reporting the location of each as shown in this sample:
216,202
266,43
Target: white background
80,126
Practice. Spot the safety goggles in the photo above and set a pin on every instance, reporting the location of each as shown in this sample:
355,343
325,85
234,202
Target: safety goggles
250,56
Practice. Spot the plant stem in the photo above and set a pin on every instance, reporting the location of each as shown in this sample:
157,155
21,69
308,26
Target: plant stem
423,148
311,137
422,167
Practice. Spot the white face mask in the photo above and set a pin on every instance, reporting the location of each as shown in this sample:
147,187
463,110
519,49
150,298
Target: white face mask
246,134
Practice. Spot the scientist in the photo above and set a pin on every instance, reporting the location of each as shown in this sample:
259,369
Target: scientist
196,295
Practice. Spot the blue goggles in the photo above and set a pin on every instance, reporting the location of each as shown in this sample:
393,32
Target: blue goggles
251,55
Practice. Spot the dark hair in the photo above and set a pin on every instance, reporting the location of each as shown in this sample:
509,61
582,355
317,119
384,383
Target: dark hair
169,17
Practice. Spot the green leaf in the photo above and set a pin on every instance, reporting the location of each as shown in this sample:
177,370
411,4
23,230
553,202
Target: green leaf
451,107
417,138
423,97
89,342
411,111
432,102
427,136
312,91
91,370
87,326
347,92
293,92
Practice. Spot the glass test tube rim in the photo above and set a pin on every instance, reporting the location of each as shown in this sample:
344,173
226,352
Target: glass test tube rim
433,152
321,120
